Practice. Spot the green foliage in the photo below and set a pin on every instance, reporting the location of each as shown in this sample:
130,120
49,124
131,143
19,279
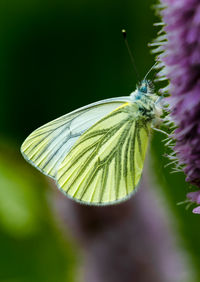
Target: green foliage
31,247
18,200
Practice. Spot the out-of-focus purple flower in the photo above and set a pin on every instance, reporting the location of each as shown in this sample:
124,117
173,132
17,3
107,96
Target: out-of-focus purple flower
179,50
195,197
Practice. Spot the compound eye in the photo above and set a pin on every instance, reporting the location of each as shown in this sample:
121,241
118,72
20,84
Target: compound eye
143,89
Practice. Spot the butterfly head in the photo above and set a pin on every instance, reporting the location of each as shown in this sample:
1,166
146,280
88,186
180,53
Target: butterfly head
146,86
144,91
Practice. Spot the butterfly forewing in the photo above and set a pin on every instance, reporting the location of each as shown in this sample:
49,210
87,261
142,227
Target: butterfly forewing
105,164
48,145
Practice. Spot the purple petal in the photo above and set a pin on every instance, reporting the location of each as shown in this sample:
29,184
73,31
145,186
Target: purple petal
193,196
196,210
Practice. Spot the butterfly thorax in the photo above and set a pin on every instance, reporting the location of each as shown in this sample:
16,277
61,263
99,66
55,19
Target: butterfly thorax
145,105
145,99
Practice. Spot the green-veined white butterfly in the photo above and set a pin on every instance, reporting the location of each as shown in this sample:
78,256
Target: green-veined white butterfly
96,153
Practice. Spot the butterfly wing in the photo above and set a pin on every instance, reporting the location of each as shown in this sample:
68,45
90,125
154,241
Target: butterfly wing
104,166
46,147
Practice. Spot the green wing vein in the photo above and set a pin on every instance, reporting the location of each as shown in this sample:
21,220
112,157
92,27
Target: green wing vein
106,162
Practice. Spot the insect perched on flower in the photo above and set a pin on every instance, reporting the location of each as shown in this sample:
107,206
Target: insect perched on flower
96,153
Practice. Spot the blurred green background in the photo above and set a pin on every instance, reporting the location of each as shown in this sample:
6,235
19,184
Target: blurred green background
56,56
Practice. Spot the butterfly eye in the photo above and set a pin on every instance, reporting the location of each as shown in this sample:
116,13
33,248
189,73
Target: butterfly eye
143,89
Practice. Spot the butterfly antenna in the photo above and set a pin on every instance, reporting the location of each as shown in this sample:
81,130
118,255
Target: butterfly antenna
150,70
130,53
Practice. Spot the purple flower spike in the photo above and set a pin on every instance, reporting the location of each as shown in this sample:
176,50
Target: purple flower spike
179,55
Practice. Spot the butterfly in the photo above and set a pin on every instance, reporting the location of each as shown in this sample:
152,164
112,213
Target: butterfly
96,153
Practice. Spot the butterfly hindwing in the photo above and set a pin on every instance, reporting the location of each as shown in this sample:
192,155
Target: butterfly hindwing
47,146
105,164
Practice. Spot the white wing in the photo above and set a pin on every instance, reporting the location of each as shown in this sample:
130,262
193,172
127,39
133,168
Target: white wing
46,147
